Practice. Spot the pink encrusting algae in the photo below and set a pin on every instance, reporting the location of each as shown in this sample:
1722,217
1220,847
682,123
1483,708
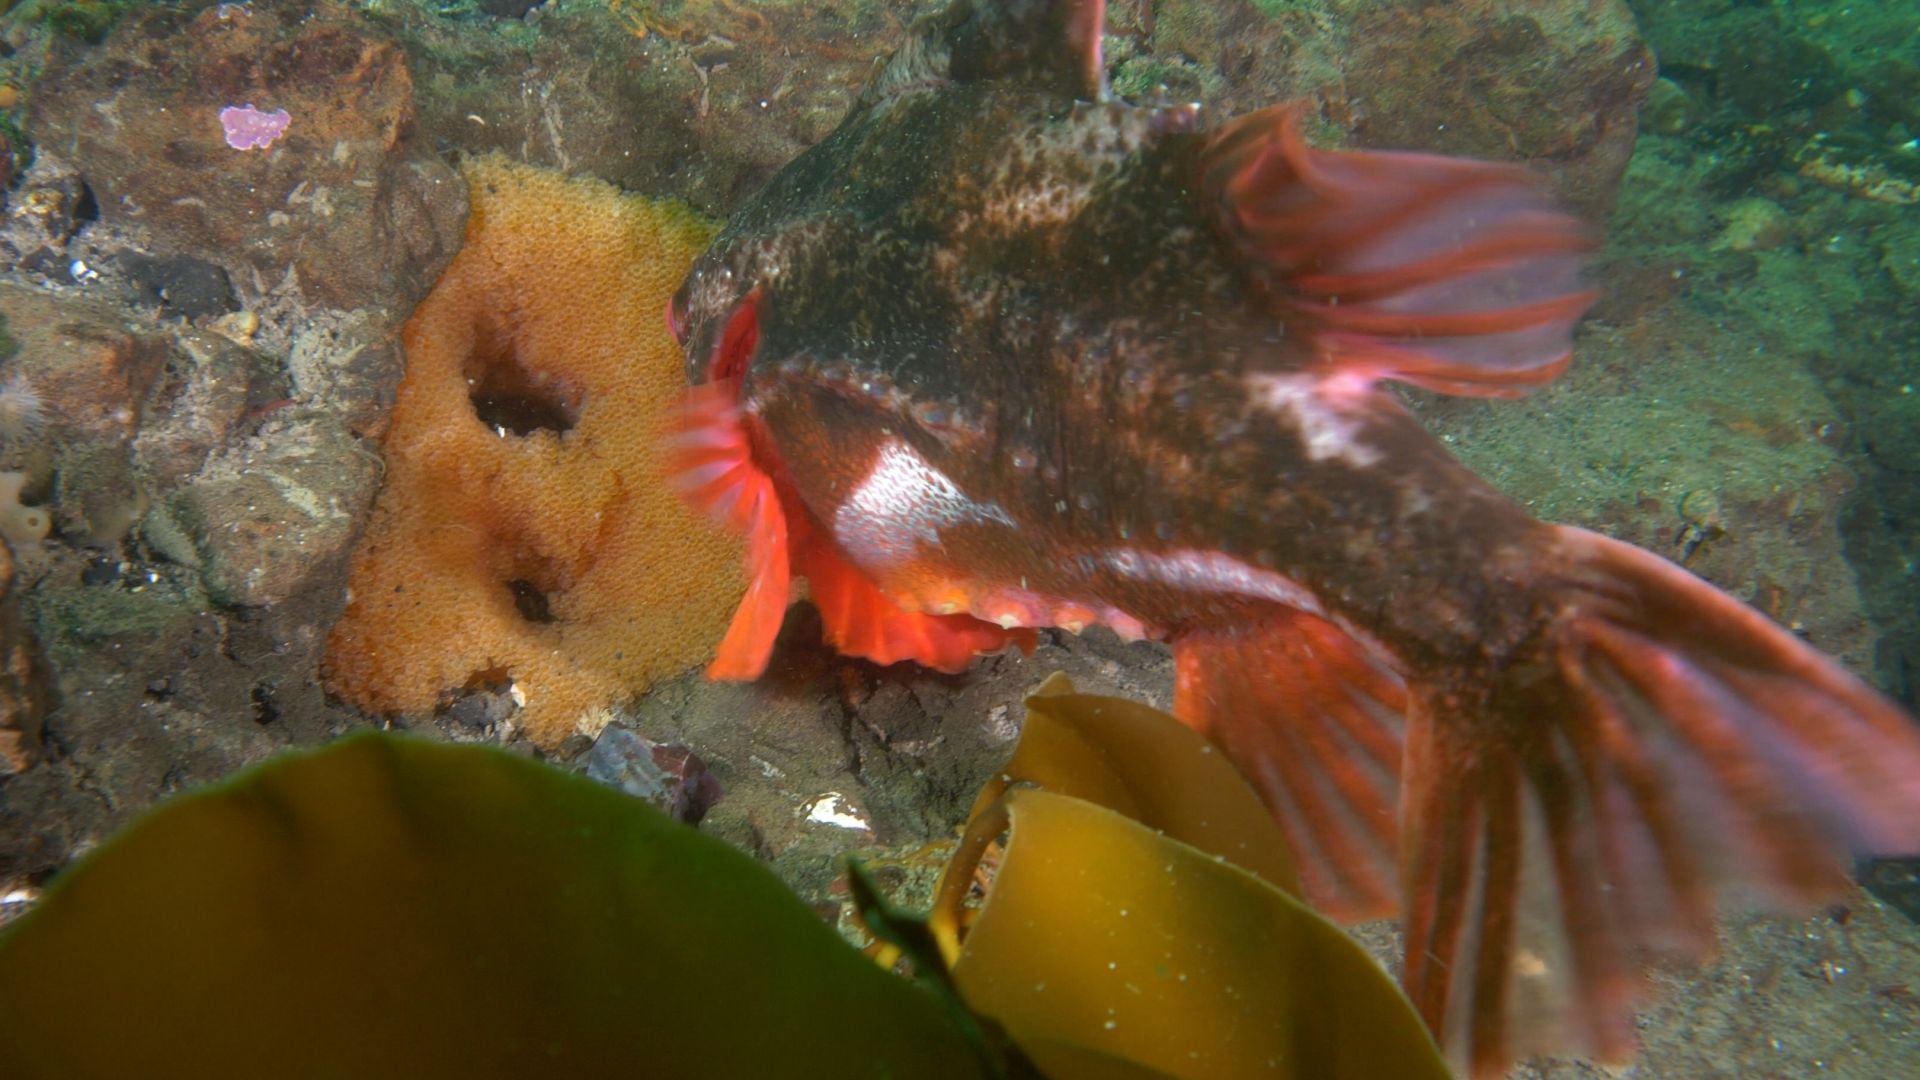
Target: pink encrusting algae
247,128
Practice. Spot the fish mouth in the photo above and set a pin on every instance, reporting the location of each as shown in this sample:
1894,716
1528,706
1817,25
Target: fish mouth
739,340
676,312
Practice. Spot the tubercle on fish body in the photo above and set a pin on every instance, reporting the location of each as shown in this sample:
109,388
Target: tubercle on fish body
1020,608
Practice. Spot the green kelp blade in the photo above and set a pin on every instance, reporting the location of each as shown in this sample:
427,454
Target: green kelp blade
1141,762
1104,934
388,907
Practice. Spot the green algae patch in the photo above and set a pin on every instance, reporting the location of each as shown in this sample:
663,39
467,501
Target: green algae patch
70,620
391,907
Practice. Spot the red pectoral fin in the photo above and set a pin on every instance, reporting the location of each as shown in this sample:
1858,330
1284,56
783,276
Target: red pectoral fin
714,468
861,621
744,651
1457,275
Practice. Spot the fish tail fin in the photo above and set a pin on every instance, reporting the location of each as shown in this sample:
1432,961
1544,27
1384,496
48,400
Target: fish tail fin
1457,275
1313,719
1655,743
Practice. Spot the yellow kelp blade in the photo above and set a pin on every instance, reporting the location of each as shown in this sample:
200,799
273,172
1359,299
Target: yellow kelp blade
1138,761
1101,933
388,907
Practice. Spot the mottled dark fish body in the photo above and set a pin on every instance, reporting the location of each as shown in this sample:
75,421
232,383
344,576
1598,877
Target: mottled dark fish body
1001,353
1026,292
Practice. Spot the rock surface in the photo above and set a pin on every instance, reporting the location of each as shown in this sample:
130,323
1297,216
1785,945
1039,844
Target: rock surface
273,517
1557,85
704,101
25,689
139,117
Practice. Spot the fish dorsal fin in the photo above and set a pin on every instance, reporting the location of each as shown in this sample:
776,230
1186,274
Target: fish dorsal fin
1052,45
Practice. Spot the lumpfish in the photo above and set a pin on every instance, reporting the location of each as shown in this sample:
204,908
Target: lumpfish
1004,353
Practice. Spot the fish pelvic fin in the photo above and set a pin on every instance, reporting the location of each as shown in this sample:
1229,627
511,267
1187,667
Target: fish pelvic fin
1314,721
713,466
1658,745
859,619
1456,275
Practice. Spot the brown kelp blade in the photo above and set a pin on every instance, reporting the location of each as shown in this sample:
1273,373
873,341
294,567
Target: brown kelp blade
1104,935
1136,760
1124,928
390,907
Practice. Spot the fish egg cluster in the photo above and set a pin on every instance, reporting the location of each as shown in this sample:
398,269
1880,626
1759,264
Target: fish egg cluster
526,539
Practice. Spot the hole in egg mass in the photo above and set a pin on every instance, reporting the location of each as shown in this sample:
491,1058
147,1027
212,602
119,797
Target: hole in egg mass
512,398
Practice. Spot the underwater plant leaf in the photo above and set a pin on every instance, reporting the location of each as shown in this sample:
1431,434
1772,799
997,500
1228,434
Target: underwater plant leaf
1140,762
388,907
1101,934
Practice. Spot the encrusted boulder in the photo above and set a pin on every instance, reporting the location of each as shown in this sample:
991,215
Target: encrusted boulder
343,200
273,516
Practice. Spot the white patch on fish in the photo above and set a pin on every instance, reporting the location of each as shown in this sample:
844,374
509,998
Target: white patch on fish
1315,402
902,504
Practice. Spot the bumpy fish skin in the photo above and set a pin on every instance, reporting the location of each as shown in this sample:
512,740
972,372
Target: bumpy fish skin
1002,353
1024,290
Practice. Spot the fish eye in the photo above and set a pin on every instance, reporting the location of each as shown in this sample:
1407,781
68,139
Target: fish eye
677,313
